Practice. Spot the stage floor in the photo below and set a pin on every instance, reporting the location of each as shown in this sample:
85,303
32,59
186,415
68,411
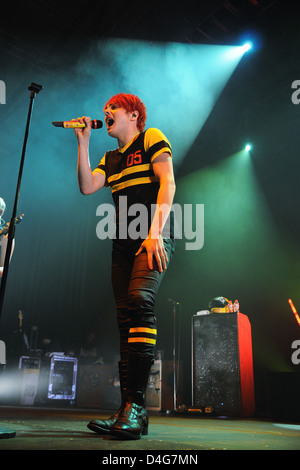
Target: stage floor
65,429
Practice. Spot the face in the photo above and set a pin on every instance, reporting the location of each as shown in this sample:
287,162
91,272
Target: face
117,120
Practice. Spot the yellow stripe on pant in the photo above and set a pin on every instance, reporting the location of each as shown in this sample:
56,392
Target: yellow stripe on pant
142,340
142,335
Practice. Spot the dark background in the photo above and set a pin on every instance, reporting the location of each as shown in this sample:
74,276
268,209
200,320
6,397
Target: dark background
60,273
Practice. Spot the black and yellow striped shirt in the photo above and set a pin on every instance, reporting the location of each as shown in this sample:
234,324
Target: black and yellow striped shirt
129,171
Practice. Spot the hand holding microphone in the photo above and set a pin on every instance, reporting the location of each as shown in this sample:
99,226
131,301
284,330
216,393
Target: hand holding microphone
82,127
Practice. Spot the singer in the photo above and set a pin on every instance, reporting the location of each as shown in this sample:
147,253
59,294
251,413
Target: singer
141,169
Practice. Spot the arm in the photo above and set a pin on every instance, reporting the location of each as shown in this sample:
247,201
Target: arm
89,181
163,170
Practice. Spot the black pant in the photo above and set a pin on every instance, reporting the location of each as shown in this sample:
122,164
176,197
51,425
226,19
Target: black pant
135,288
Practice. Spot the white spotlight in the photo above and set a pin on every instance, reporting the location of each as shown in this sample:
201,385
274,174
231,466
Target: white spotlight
247,46
248,147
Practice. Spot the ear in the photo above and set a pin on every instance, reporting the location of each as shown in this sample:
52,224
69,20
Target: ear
134,115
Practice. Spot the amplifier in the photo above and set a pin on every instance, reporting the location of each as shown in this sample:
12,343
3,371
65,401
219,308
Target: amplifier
63,376
160,388
222,364
98,386
30,370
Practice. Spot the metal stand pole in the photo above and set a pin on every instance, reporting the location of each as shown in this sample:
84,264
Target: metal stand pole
34,89
174,302
174,360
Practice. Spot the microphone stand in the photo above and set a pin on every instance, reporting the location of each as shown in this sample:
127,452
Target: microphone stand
174,302
34,89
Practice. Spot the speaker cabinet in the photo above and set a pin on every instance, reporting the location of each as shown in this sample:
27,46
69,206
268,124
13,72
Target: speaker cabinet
63,377
222,364
98,387
30,367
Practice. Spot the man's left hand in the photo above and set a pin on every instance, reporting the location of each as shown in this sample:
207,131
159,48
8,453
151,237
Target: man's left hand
155,250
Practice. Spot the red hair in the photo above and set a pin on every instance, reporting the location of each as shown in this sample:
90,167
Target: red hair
130,103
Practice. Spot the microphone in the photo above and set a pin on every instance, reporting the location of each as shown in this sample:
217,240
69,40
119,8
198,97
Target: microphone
96,124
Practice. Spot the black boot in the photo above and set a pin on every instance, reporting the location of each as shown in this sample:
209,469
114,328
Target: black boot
103,426
133,419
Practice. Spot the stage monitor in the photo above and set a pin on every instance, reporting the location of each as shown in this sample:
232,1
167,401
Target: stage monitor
63,376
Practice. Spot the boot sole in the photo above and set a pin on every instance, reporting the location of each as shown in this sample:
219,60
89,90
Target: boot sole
128,435
125,435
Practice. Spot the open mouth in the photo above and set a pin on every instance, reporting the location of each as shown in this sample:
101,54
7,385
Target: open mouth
109,122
